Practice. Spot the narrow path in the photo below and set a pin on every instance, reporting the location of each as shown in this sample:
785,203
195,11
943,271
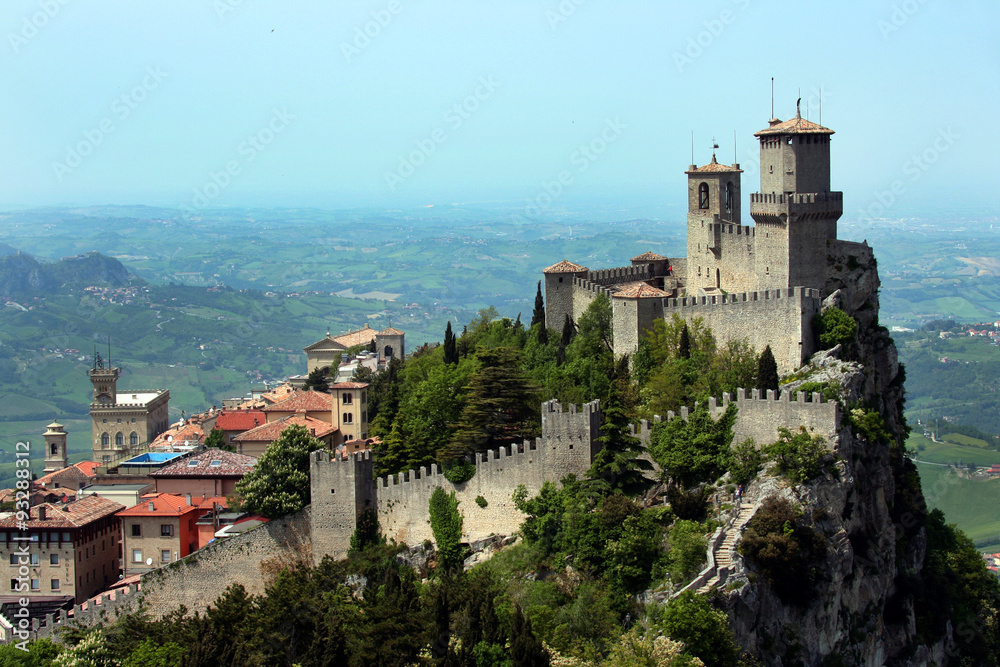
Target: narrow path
727,549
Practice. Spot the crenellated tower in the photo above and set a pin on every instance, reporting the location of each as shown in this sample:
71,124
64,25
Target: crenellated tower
713,214
795,212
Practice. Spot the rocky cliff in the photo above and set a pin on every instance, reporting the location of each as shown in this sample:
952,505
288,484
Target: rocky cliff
854,601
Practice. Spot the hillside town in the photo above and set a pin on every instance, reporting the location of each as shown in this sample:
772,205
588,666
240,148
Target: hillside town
154,492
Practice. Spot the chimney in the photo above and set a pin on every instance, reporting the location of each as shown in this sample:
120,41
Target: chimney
41,512
152,507
188,498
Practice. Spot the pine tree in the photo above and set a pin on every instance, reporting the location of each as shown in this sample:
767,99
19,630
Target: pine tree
450,347
767,372
317,380
525,648
684,349
568,331
538,314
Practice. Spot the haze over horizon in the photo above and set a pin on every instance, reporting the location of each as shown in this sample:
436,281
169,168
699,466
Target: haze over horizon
552,105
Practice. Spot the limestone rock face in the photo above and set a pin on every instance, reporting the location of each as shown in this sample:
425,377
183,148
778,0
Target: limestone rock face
869,516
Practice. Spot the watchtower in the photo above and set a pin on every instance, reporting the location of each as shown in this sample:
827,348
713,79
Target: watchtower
713,208
795,211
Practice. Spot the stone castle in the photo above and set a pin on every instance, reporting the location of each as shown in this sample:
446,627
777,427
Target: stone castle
763,282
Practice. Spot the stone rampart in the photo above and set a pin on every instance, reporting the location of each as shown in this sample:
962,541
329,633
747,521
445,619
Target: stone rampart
781,318
342,490
621,274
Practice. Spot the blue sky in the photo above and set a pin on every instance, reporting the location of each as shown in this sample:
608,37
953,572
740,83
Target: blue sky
402,104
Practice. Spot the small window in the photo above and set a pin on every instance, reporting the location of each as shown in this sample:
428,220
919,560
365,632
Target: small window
789,140
166,530
729,196
136,530
13,559
105,439
133,438
119,440
165,556
36,584
216,463
53,559
703,195
55,449
54,584
770,168
53,537
65,537
34,559
136,555
193,463
348,418
348,398
13,584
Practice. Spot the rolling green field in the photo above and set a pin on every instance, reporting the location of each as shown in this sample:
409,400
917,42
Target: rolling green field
973,505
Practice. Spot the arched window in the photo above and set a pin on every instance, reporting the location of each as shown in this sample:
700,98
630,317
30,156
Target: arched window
729,196
105,440
348,398
119,439
348,418
387,351
133,438
703,195
55,449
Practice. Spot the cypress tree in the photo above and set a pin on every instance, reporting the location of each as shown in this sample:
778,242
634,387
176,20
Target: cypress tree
684,349
568,331
767,372
450,347
525,649
538,314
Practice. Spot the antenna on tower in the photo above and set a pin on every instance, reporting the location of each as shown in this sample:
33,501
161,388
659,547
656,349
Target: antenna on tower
692,147
109,350
772,97
821,105
736,155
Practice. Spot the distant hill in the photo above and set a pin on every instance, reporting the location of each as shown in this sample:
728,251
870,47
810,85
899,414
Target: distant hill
22,275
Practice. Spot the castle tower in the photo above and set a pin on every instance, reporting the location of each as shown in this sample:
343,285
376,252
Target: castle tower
795,212
56,457
559,292
390,344
104,380
713,212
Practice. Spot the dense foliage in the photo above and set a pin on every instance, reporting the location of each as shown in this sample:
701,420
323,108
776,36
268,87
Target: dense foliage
835,327
279,483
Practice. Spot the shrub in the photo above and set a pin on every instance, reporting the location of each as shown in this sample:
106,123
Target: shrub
745,463
481,501
690,505
446,524
798,458
688,548
690,619
830,390
458,472
833,326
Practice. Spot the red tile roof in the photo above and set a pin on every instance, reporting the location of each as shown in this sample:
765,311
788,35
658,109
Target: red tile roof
231,464
361,336
279,393
271,432
795,125
639,291
81,470
648,257
163,504
310,401
389,331
71,515
565,266
714,166
349,385
239,420
88,468
192,433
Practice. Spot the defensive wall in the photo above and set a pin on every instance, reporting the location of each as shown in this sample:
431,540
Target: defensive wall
197,580
759,416
342,489
621,274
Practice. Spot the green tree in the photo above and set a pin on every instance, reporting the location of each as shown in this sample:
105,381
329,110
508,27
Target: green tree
450,347
446,524
745,463
500,406
767,372
525,648
690,619
149,654
694,450
279,483
688,548
799,457
318,379
684,346
538,314
216,439
835,327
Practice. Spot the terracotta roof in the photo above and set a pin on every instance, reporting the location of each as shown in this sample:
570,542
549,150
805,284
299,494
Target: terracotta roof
71,515
204,503
271,432
361,336
310,401
714,166
565,266
163,504
349,385
648,257
797,125
279,393
239,420
176,434
200,465
81,470
326,343
639,291
389,331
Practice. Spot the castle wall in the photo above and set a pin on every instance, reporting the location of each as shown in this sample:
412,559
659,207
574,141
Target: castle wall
341,489
621,274
781,318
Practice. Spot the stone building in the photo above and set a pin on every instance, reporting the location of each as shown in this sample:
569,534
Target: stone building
326,353
71,549
123,419
764,282
157,531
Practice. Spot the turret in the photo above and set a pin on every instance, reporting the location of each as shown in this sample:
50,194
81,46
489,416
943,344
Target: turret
713,210
55,448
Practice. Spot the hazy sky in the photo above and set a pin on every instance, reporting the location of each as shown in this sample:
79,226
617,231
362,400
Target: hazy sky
399,103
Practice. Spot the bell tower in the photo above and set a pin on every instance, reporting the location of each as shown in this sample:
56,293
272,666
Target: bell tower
713,211
56,457
795,212
105,381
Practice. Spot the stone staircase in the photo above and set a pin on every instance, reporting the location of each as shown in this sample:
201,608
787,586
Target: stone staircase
727,550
